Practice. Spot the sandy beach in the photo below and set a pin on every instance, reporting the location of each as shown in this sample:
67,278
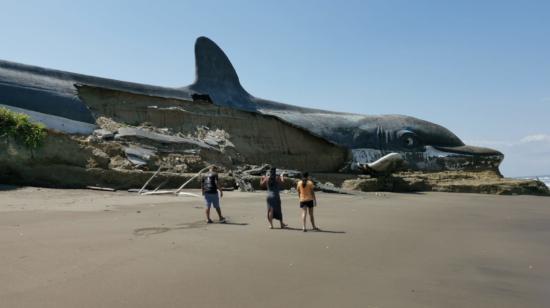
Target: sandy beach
82,248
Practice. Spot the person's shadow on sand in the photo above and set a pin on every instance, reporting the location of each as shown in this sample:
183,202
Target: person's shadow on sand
232,223
189,225
4,187
202,223
310,230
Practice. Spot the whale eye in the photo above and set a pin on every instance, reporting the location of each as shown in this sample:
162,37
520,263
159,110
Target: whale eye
408,139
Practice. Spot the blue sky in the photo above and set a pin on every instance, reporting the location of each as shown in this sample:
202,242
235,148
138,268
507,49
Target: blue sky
480,68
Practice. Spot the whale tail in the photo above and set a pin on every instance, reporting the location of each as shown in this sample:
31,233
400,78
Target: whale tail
213,68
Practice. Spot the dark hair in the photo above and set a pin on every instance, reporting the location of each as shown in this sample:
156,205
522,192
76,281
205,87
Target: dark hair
304,178
272,175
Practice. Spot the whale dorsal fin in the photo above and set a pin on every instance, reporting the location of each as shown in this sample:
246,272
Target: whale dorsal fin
213,68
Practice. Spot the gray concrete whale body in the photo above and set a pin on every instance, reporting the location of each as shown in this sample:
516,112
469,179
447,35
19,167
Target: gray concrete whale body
422,144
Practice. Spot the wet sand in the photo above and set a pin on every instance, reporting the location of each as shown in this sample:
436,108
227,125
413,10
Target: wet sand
81,248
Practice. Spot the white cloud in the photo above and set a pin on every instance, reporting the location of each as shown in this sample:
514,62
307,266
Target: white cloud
536,138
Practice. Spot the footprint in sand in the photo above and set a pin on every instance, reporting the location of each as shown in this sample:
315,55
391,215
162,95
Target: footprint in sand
150,231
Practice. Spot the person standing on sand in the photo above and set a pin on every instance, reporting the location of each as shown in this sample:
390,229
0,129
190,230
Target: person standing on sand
273,182
210,188
306,194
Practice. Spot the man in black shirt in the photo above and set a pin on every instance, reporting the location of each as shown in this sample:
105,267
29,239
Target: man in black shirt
210,188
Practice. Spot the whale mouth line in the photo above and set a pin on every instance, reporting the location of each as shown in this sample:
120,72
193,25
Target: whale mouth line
469,150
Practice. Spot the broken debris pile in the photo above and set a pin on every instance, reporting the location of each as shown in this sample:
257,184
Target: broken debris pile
146,147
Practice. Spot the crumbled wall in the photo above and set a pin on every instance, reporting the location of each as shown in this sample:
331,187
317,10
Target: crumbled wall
258,138
64,161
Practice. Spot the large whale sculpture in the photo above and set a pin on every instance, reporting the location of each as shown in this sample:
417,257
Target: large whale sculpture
51,96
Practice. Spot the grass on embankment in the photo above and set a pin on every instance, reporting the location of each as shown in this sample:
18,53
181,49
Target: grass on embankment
18,127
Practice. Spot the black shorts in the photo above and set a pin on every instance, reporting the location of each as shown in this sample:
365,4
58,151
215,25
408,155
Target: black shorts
309,204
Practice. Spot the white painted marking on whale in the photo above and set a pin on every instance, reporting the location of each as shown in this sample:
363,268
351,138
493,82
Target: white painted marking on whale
386,162
56,122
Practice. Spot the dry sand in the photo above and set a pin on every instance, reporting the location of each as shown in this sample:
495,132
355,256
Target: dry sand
79,248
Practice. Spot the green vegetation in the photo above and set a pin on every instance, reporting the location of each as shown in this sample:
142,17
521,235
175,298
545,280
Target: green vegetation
21,129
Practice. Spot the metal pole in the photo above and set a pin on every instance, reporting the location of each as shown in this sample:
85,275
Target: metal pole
146,183
191,179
